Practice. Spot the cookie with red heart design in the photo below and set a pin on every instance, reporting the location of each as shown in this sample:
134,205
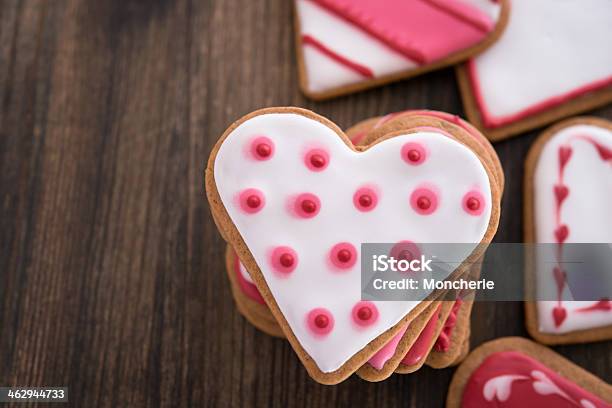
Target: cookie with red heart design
568,196
288,190
515,372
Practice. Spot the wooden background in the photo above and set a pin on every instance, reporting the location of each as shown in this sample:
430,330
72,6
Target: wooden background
111,271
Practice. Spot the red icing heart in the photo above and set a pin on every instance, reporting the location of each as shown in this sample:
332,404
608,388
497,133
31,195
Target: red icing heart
561,233
604,152
559,314
560,277
561,192
565,152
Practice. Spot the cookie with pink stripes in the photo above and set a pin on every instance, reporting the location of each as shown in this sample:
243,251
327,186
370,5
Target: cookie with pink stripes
296,199
568,196
346,46
553,60
513,372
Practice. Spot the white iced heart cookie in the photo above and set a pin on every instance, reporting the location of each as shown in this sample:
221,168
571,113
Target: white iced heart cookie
571,180
288,188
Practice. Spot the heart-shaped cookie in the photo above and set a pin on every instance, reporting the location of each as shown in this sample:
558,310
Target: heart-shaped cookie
296,200
414,341
569,185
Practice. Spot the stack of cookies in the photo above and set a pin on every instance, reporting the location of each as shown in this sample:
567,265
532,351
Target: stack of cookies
295,197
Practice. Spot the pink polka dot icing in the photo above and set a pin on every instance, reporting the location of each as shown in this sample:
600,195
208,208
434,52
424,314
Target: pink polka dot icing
424,200
474,203
284,259
316,159
262,148
320,321
365,313
343,255
414,153
307,205
251,200
365,199
405,250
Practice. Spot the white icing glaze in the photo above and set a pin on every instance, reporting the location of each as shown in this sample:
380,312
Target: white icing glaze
586,211
450,165
549,48
354,44
490,7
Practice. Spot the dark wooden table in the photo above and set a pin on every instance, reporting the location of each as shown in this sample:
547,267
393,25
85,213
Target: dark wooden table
111,272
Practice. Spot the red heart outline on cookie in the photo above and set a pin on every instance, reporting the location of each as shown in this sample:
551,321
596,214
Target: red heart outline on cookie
287,190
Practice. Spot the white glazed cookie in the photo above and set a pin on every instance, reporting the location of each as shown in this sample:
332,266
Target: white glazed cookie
347,43
550,53
572,202
303,201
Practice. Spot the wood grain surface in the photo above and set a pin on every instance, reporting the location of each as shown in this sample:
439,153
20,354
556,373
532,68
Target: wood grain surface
111,279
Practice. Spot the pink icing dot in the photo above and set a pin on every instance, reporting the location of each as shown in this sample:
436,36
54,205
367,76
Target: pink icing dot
365,313
284,259
406,250
474,202
316,159
343,255
365,199
307,205
252,200
320,321
262,148
413,153
424,201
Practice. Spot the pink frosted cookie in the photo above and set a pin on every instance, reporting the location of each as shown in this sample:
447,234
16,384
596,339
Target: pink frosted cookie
513,372
568,189
344,46
552,61
290,211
